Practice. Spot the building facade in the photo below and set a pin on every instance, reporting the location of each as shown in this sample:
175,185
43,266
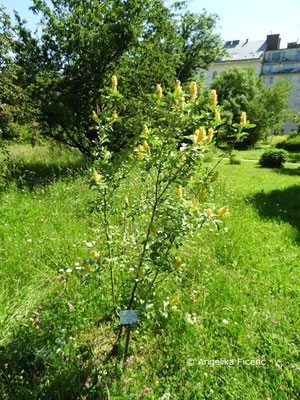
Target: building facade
269,62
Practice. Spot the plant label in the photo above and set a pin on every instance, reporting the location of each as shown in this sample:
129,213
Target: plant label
128,317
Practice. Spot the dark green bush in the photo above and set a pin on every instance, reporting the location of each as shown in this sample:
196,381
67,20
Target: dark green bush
273,158
234,160
292,144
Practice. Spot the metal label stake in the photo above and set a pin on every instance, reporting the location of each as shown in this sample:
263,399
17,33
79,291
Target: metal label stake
128,317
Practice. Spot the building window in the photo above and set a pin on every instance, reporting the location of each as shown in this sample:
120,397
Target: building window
298,93
288,67
276,56
283,55
270,68
298,55
297,106
215,74
288,78
269,80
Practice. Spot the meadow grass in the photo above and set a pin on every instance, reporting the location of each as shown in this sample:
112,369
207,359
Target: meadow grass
238,295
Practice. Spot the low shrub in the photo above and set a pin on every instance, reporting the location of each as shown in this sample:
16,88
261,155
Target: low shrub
274,140
291,144
234,160
273,158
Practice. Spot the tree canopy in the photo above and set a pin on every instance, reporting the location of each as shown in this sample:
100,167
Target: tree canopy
84,42
239,90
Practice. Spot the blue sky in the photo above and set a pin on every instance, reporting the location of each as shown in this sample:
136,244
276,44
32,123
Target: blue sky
239,19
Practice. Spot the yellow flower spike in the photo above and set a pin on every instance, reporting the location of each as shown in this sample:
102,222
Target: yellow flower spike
193,88
223,211
208,212
87,267
213,98
182,100
159,91
175,300
215,176
218,115
145,145
96,176
95,117
114,115
243,118
140,148
182,156
210,135
178,87
114,83
179,192
140,272
199,135
170,225
126,201
145,130
202,194
194,205
96,255
177,263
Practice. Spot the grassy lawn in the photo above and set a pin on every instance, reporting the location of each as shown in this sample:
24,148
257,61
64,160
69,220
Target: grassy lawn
238,291
256,153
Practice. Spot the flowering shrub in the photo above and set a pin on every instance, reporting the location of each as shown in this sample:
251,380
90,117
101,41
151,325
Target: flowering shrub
144,226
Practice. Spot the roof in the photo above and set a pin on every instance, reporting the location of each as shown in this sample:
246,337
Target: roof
246,50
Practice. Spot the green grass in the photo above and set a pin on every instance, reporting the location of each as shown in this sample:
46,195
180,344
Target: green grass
256,153
238,293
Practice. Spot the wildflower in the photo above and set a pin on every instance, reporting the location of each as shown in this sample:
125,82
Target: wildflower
223,211
182,156
145,130
140,148
96,176
126,201
179,192
140,272
194,205
177,263
215,176
225,321
96,255
178,87
218,115
243,118
193,87
95,117
182,100
146,146
114,115
87,267
69,270
202,194
114,83
159,91
208,212
213,98
170,225
175,300
210,134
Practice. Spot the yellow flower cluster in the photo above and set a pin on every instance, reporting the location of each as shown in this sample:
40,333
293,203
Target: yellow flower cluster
194,91
177,263
182,100
179,192
114,83
114,115
96,255
178,87
223,211
143,148
243,118
199,135
159,91
215,176
126,201
96,176
218,115
194,205
175,300
213,98
202,194
145,130
182,156
208,212
210,135
95,117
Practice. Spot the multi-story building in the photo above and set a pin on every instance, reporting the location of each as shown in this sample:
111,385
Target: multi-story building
270,63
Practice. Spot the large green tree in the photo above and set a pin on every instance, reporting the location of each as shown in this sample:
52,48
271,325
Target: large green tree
239,90
84,42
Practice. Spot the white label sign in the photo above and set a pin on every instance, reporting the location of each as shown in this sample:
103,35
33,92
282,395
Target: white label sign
128,317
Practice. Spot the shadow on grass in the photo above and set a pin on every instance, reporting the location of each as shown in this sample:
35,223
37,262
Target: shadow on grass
288,171
283,204
33,173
